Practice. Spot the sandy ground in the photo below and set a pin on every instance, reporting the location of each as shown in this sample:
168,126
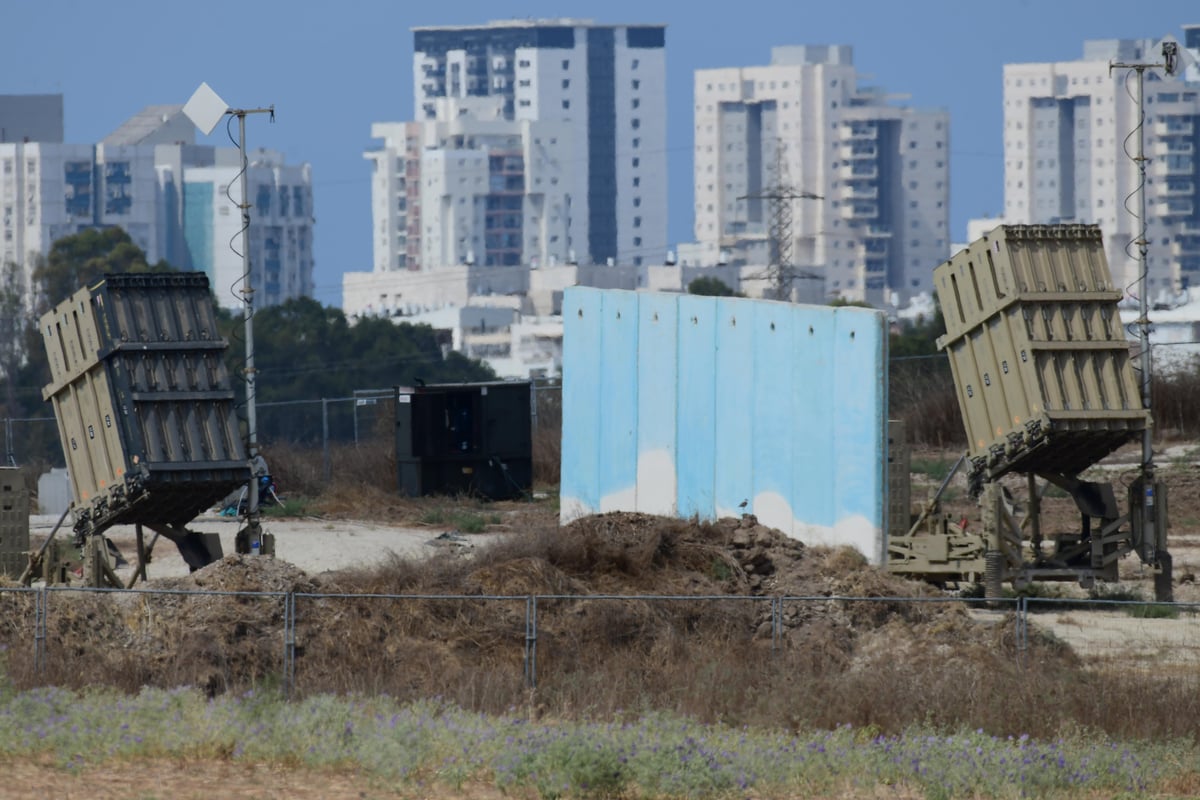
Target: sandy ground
313,545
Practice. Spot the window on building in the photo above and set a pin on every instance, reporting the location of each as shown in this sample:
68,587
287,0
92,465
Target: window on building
637,221
637,162
635,123
633,64
566,84
566,63
566,103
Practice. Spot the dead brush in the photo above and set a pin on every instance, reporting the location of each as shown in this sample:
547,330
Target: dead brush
887,665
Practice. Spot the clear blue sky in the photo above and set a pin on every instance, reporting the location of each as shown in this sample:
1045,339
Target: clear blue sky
333,68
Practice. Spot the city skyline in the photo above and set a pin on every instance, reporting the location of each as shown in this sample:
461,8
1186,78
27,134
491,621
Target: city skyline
330,74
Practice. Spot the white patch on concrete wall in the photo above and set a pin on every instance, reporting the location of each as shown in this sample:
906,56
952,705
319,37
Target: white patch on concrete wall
571,509
773,510
621,500
656,483
856,532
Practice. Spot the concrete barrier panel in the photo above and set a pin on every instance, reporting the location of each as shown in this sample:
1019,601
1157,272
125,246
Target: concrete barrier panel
695,407
711,407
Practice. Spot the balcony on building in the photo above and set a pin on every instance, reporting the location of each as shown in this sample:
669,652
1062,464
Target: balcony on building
859,131
860,170
1186,246
1178,187
1172,146
858,191
1164,207
857,151
859,210
1173,126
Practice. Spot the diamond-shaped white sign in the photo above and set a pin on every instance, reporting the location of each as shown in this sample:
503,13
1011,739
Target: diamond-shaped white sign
205,109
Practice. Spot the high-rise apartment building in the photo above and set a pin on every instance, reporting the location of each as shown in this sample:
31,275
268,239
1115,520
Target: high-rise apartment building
471,187
864,182
1069,131
169,194
52,190
598,91
281,223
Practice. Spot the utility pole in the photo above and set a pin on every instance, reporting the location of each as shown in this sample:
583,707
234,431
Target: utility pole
780,270
1153,541
205,109
254,528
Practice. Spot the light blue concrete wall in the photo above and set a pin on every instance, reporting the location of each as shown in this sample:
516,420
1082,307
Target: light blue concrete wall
690,406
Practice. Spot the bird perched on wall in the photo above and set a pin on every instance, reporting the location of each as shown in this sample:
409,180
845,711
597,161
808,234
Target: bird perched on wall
742,505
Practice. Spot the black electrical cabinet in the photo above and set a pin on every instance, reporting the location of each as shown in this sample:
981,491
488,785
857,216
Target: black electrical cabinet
465,438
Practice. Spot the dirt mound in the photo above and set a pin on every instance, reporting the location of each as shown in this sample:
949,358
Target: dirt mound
522,576
240,573
406,636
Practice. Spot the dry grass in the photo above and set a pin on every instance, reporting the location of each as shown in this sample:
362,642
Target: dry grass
883,663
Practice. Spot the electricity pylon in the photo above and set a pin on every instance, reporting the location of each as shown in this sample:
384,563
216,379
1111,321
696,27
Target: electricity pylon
780,271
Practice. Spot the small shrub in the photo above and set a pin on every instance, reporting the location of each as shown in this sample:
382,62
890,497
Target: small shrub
469,523
1154,611
434,516
289,507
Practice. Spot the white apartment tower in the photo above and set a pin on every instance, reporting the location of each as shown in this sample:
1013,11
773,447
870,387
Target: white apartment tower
281,222
470,187
601,89
52,190
869,180
1068,129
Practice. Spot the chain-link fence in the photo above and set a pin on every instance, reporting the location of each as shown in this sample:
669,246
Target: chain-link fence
368,415
311,642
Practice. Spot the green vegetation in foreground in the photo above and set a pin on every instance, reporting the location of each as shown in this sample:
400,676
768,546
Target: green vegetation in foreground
462,521
428,743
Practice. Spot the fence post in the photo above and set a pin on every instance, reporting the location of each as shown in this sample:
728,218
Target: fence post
1022,629
533,405
531,642
39,631
776,622
289,643
327,467
9,457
